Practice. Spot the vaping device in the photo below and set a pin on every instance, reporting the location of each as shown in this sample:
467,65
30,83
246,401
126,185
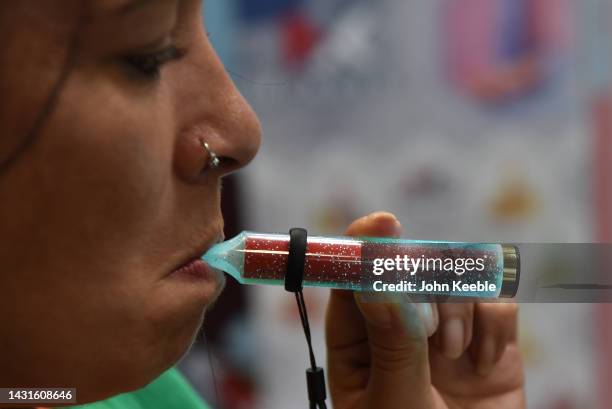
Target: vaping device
484,270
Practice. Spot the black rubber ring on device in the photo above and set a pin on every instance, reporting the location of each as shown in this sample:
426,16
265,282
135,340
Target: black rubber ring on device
298,239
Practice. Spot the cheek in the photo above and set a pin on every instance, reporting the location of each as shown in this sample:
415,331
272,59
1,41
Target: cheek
118,145
108,168
98,183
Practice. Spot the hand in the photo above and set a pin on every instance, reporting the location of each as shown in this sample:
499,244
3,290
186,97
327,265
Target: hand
398,354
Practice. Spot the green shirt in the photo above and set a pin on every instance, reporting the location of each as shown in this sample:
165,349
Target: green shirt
170,391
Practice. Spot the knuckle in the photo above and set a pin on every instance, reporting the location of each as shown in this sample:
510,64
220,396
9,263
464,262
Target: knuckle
463,311
394,357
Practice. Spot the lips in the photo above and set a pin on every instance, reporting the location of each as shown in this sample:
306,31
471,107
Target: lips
194,267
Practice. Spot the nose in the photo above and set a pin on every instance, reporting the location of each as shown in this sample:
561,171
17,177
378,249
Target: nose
210,109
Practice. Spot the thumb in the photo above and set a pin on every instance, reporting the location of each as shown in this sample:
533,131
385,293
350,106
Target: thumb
397,337
396,333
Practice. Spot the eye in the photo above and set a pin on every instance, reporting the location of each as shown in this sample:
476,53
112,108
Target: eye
148,65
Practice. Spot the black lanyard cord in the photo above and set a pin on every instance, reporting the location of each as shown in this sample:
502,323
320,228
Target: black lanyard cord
299,297
315,377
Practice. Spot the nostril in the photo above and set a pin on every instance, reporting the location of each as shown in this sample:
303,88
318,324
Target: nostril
225,165
228,164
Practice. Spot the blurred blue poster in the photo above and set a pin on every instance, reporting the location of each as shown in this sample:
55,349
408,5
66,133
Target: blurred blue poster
257,10
220,22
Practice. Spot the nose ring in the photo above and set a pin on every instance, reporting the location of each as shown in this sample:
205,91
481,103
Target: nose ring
213,159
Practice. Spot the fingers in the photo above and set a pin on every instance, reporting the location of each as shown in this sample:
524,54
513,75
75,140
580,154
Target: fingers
397,338
383,224
491,361
385,334
495,326
430,316
379,224
344,322
345,331
455,328
483,329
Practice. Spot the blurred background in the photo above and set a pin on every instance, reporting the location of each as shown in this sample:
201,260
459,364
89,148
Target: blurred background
471,120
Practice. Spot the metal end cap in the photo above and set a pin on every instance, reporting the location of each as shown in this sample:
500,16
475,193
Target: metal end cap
512,271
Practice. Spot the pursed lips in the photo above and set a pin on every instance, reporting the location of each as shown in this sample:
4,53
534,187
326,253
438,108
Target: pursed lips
198,252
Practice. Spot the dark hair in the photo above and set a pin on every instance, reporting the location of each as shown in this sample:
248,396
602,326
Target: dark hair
51,100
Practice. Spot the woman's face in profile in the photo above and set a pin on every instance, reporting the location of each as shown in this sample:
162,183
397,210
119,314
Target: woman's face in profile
106,190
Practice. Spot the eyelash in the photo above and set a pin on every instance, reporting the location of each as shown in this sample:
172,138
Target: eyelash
148,66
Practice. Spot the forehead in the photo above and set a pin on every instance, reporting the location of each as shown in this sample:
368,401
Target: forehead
61,10
118,6
32,17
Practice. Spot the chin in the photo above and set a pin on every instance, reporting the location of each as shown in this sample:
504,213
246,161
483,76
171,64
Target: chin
139,368
174,326
165,331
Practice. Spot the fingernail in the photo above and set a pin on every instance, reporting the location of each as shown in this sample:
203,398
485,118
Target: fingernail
376,311
453,338
429,317
410,315
413,321
486,357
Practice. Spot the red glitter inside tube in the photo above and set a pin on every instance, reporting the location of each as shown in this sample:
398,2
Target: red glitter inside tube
266,257
374,264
